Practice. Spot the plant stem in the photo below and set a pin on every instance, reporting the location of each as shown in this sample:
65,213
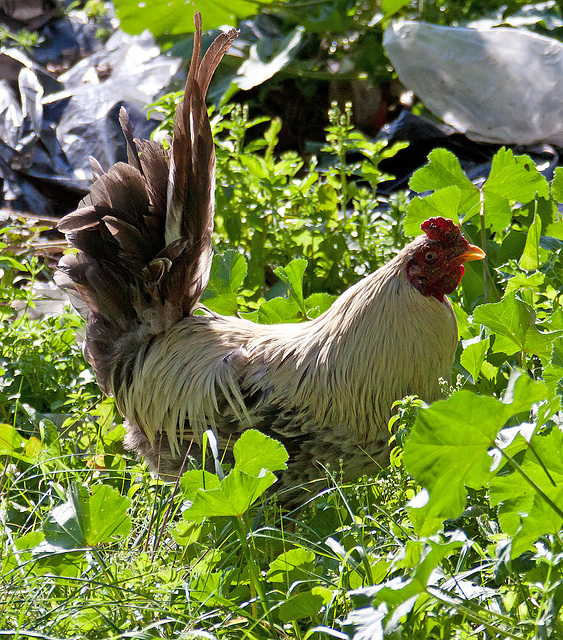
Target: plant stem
252,563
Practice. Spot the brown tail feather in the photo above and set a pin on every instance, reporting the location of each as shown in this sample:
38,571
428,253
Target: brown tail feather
143,234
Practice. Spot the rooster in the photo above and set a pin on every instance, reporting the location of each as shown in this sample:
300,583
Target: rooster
323,388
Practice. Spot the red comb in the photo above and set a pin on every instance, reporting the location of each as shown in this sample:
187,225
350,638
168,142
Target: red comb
441,229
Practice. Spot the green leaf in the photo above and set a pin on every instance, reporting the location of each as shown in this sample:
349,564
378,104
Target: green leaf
291,565
327,198
195,479
513,323
303,605
442,171
427,555
557,185
522,281
448,448
255,452
10,439
318,303
523,512
530,259
473,356
292,274
498,212
512,179
279,310
231,498
177,17
88,520
389,7
510,318
515,178
187,533
444,202
228,272
542,520
553,372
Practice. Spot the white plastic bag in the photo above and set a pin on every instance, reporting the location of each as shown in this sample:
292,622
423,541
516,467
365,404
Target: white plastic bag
495,85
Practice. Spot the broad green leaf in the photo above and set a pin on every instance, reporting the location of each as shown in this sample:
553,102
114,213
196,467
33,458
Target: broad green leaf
292,274
523,512
542,519
541,344
303,605
10,439
444,202
530,259
557,185
88,520
24,545
522,281
513,323
317,303
255,452
515,178
448,447
291,565
514,489
553,372
195,479
522,392
473,356
389,7
228,272
428,554
279,310
231,498
108,515
510,318
327,198
186,533
497,210
447,450
177,16
512,179
444,171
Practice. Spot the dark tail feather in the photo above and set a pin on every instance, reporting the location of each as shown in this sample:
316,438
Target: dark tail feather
143,234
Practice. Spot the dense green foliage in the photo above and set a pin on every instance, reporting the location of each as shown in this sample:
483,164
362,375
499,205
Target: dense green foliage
460,538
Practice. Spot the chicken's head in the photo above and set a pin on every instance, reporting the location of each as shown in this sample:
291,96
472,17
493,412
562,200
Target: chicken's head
436,266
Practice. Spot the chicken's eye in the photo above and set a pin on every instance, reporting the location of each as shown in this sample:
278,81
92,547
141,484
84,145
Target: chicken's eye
430,256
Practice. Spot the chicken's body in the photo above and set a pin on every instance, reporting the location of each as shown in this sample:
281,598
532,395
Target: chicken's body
324,388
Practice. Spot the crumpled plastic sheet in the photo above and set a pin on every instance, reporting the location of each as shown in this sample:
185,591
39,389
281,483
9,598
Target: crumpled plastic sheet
129,71
497,85
48,128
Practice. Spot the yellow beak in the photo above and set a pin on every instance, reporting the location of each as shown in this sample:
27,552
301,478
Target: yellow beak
471,253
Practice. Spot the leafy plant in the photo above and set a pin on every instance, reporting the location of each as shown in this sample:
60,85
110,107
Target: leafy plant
23,38
460,537
274,209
